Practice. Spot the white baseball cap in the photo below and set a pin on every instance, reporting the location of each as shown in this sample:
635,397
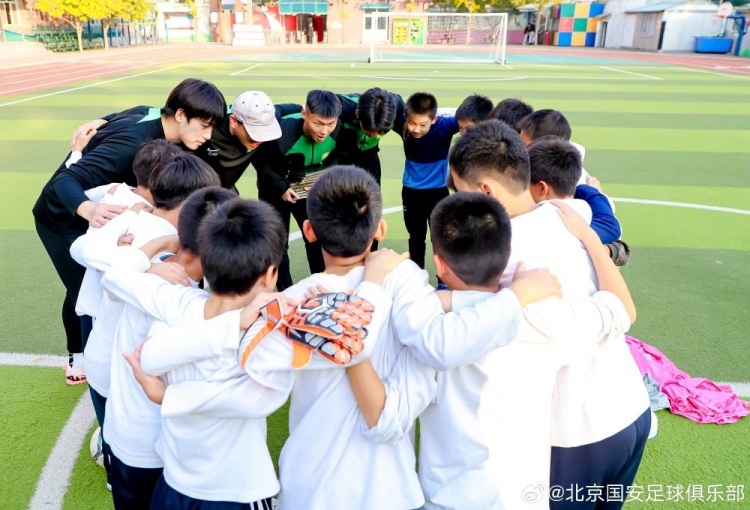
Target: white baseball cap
256,112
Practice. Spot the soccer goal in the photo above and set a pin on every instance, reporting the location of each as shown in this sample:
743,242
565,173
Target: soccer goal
436,37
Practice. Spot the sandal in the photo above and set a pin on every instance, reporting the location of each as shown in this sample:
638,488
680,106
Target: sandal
74,377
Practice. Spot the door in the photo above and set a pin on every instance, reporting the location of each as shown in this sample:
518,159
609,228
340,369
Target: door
376,27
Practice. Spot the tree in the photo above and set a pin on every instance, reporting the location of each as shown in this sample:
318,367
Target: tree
127,10
114,9
193,10
343,14
480,5
75,12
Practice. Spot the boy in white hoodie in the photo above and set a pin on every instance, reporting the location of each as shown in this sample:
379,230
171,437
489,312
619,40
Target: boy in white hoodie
600,401
484,432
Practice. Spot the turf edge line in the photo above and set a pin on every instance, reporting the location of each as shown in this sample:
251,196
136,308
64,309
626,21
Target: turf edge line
89,86
53,482
20,359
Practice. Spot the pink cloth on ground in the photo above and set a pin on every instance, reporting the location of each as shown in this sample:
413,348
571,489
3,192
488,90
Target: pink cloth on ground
697,399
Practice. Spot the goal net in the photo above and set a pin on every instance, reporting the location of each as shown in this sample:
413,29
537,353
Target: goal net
436,37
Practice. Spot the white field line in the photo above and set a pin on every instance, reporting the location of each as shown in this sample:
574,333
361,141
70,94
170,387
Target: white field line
89,86
32,360
442,79
246,69
478,79
742,389
53,482
632,73
80,69
683,205
704,71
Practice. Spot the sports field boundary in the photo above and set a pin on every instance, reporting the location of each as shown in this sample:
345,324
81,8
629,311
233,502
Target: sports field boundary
55,478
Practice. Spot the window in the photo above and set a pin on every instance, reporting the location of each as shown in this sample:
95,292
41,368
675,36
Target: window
647,24
381,22
9,12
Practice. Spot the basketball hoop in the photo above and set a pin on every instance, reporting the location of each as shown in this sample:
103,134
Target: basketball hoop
725,10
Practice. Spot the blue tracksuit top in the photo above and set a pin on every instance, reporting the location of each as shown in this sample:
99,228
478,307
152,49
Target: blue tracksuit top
603,220
426,165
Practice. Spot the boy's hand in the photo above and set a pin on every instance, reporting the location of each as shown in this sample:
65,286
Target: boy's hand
381,262
81,140
171,272
575,222
251,312
84,133
314,291
126,240
594,183
140,206
153,386
290,196
535,285
139,349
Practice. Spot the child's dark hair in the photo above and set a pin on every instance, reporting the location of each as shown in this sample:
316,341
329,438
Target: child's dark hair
474,108
239,242
178,177
491,148
198,205
198,99
556,162
344,207
150,156
511,111
471,233
421,103
376,110
323,103
545,123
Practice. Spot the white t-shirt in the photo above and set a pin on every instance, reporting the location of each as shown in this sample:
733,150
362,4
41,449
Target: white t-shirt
211,451
98,250
90,294
540,239
132,422
325,444
597,395
485,435
326,463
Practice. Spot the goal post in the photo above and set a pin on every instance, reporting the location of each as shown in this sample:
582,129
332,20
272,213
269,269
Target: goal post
436,37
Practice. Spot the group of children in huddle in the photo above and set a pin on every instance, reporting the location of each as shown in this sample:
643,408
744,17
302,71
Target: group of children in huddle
517,370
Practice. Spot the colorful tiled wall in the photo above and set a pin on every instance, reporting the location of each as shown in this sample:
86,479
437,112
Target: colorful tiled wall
576,24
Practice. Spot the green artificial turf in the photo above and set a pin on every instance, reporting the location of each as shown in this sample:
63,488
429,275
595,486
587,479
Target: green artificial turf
689,454
36,403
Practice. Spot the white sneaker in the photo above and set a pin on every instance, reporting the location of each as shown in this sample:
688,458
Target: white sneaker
654,426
